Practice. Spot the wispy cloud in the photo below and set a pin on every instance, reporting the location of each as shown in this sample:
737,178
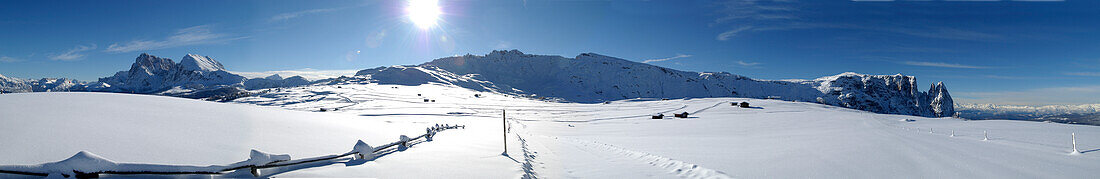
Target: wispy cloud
666,59
7,59
73,54
731,33
747,64
291,15
183,37
942,65
1082,73
759,16
744,64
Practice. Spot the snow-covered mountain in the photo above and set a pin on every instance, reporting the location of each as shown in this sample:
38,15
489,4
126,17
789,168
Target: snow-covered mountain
152,74
590,78
195,76
18,85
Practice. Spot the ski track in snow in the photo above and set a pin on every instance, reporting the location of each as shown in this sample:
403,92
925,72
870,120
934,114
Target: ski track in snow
680,168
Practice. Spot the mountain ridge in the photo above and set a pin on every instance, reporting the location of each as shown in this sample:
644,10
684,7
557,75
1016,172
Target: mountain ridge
593,78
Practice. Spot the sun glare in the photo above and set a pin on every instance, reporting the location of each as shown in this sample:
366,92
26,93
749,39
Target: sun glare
424,13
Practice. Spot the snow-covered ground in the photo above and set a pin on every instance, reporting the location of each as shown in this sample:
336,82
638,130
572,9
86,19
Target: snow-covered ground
774,139
38,128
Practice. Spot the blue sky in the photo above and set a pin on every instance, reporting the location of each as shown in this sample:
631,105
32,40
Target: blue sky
1009,52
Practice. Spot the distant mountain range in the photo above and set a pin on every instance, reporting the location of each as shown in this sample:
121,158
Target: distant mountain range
194,76
586,78
1074,114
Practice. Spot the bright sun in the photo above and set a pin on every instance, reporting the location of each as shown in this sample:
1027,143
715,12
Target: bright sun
424,13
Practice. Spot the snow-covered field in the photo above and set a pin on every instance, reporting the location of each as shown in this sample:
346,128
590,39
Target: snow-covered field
774,139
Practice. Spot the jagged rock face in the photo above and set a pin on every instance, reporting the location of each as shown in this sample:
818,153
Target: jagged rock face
942,104
595,78
151,74
893,94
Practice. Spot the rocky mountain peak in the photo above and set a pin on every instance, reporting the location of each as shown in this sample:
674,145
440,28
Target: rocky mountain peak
192,62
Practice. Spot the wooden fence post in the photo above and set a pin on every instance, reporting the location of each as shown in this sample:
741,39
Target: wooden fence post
504,129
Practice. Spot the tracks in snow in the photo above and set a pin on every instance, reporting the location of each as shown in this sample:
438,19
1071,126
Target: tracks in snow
680,168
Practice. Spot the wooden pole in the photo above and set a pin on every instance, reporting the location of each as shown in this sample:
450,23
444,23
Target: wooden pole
504,129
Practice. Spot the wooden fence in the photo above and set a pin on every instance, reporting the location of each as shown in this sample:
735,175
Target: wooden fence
403,143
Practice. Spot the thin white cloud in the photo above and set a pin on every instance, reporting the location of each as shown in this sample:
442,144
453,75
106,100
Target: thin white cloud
747,64
7,59
942,65
1083,73
731,33
310,74
183,37
291,15
73,54
760,16
666,59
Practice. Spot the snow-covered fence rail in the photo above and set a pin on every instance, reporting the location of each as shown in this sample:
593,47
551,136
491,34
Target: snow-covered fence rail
88,165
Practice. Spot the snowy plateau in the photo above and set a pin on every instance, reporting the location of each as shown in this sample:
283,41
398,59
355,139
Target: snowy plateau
522,116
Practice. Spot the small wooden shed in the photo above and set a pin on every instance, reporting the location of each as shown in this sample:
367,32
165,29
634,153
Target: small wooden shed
744,104
681,115
658,116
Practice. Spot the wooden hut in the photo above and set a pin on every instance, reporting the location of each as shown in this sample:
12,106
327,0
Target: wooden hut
658,116
744,104
681,115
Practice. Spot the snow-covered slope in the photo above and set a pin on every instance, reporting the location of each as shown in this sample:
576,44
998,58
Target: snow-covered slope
192,62
773,139
106,128
590,78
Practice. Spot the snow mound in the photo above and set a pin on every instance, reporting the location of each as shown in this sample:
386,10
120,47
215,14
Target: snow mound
256,157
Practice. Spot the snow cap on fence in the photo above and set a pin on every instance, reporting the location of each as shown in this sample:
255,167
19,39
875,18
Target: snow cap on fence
363,150
256,157
83,161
